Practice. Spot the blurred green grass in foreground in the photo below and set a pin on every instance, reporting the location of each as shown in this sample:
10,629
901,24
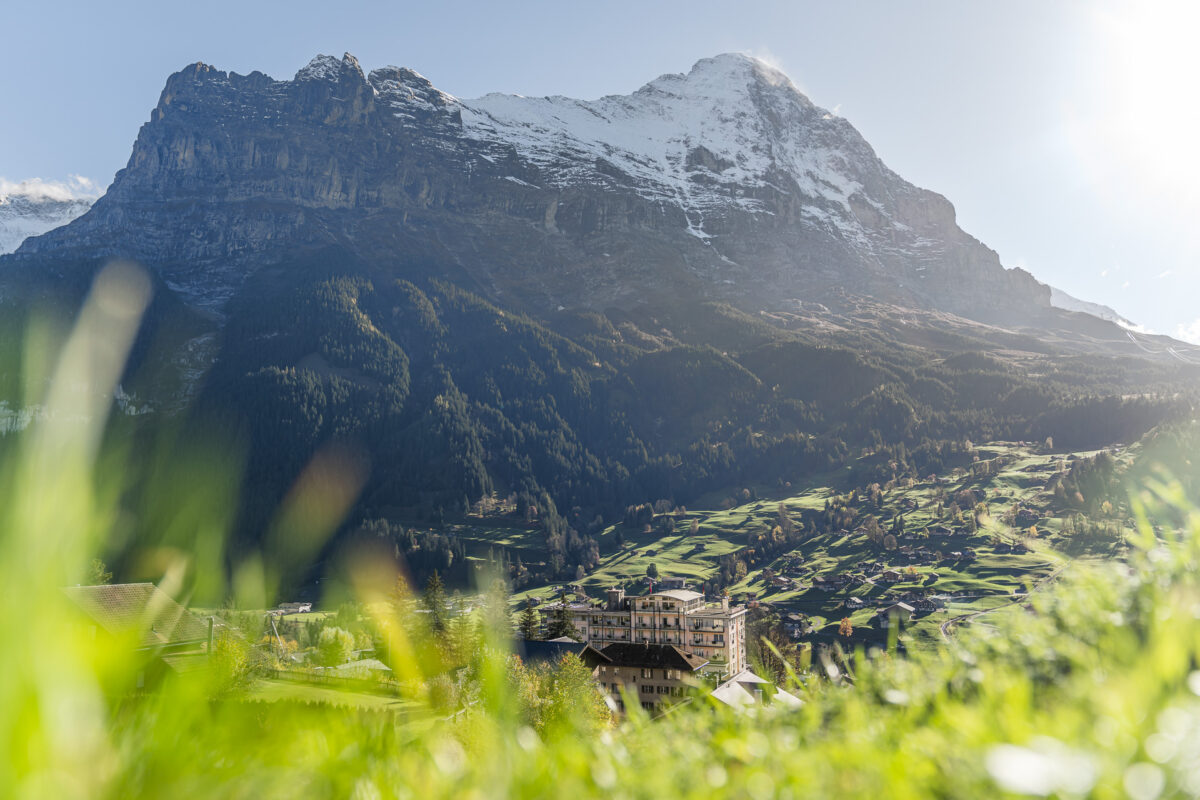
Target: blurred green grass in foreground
1091,691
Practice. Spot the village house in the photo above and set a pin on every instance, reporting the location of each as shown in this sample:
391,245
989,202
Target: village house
831,583
924,605
293,608
894,614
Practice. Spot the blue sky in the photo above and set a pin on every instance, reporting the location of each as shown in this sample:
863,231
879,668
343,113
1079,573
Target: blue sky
1062,132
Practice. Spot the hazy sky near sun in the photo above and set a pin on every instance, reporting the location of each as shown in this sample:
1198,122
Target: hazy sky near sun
1066,134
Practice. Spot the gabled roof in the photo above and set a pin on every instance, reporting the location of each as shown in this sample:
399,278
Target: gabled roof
733,694
141,609
361,666
534,651
898,607
739,691
655,656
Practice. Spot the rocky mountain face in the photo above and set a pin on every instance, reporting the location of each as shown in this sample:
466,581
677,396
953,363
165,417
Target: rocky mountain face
723,184
32,208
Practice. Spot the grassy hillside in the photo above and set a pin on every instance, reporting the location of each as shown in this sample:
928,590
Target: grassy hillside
995,578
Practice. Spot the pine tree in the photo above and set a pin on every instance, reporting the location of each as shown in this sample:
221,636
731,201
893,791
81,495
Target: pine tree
99,574
561,624
434,600
529,624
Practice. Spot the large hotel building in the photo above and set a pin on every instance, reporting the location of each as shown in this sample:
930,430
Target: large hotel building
679,617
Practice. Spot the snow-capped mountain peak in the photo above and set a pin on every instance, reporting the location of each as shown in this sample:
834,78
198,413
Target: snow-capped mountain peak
730,126
32,207
725,180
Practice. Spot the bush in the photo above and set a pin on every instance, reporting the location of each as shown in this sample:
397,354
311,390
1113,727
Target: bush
334,647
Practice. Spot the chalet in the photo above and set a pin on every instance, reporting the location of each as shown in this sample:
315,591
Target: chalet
1003,547
893,614
923,605
165,636
940,530
853,603
651,674
1027,516
294,608
797,625
890,576
672,583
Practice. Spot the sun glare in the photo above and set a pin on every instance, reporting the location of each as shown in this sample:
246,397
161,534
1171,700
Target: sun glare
1148,121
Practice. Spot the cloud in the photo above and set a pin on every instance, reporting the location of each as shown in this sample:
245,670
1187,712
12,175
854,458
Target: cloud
76,187
765,55
1189,333
1165,273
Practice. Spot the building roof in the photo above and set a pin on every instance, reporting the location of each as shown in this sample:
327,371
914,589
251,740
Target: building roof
657,656
739,692
361,666
186,663
717,611
733,694
683,595
141,609
534,651
898,607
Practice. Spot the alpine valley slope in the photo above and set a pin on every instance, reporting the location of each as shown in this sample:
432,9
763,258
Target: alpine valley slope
708,283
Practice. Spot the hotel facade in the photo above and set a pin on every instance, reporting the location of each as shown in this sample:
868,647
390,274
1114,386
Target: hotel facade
715,632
